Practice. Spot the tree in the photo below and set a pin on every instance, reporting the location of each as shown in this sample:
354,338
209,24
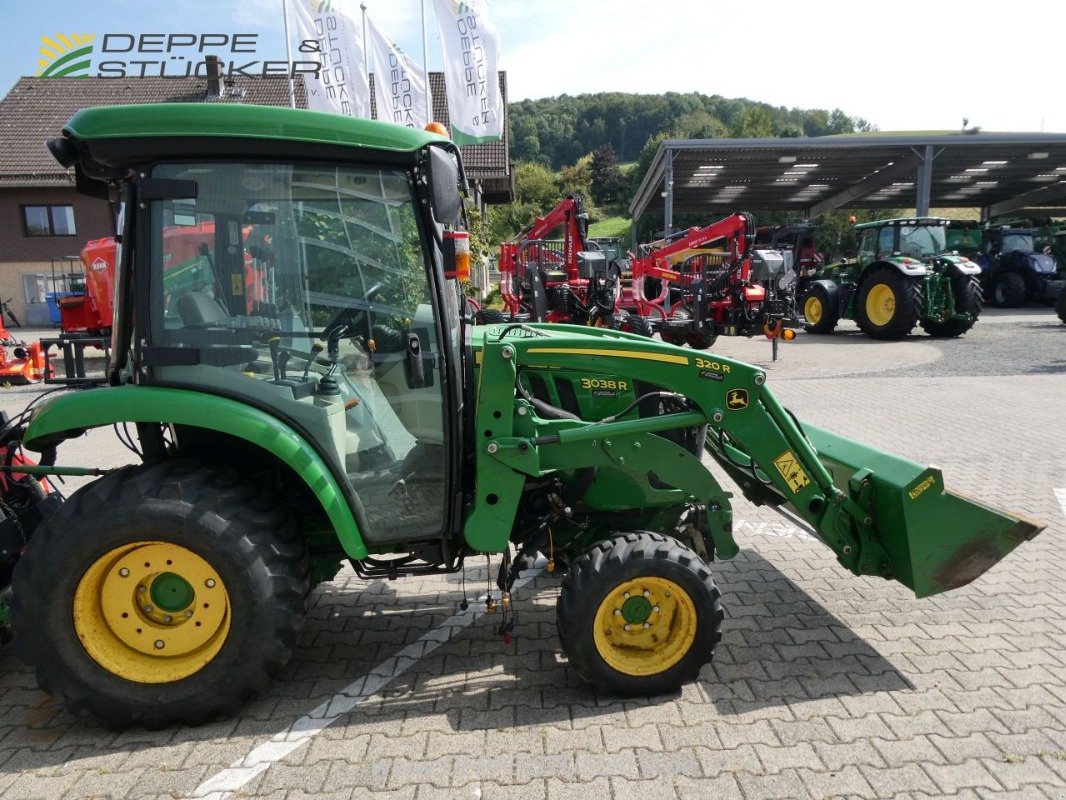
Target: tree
607,180
754,122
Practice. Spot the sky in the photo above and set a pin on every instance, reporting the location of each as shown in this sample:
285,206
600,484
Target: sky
923,67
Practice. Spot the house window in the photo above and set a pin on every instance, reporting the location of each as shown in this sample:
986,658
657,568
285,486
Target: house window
48,220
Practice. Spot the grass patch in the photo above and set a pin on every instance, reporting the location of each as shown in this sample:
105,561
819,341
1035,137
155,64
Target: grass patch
610,226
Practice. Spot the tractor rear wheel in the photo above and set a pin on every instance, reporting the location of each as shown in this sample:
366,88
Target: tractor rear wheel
967,291
1060,305
639,614
889,304
819,311
633,323
695,339
1008,290
161,593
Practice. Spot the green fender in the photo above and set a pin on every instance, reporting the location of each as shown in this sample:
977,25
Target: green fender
94,408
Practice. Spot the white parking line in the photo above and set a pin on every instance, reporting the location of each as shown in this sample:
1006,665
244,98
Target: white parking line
240,773
1061,495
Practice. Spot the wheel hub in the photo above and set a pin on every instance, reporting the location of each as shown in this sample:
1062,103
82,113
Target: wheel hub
812,310
880,304
151,612
645,626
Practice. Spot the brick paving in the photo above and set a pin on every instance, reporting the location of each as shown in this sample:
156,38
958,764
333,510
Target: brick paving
824,685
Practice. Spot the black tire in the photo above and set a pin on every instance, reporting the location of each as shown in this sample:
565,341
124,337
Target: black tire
606,567
489,316
1060,305
697,340
907,299
633,323
828,314
968,300
1008,290
235,526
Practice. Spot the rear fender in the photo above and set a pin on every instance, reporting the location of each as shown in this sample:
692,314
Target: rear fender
959,265
832,290
69,415
911,267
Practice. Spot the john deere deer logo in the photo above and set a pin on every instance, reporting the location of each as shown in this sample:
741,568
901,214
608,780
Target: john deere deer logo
736,399
65,56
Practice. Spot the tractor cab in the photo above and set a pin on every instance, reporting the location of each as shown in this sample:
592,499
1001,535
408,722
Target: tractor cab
302,279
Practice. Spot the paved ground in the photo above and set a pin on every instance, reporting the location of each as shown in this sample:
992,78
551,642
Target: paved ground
825,685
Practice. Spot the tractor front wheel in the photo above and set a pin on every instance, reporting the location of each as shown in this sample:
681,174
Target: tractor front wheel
1008,290
639,614
889,304
161,593
819,311
967,292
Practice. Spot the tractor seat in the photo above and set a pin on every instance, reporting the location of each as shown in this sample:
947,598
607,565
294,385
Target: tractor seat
197,308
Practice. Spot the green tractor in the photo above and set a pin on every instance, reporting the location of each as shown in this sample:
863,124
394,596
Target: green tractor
354,416
904,276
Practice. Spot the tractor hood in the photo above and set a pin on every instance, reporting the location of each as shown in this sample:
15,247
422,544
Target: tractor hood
1041,263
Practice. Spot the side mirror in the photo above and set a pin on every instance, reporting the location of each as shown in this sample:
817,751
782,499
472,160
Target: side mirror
444,184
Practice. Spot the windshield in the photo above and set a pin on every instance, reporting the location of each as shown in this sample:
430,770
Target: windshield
1017,243
921,241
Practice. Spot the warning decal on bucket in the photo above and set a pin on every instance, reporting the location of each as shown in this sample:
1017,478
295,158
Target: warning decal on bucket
791,471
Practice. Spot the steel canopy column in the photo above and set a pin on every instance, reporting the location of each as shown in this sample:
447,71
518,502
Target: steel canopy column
668,193
925,180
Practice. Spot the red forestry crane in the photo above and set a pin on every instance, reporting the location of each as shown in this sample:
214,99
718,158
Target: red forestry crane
720,300
573,285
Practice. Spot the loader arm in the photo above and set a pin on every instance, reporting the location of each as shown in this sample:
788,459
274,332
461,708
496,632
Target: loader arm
880,514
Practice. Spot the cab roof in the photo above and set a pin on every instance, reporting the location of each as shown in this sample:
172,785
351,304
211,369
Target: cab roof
903,221
231,121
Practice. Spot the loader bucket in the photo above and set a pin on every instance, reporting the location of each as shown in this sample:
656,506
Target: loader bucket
935,539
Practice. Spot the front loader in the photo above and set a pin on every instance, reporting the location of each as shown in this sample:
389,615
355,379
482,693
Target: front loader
358,419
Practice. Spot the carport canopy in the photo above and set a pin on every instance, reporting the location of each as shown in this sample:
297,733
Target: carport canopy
1000,173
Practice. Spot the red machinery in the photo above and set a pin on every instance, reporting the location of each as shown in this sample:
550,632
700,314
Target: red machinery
20,363
721,298
573,285
189,265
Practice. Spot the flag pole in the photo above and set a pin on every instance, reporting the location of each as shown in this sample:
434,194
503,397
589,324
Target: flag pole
425,64
288,51
366,55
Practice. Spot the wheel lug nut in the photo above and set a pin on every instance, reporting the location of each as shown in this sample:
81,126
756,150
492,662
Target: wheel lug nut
655,609
647,625
210,583
647,593
626,595
148,609
168,619
125,573
627,627
618,612
142,589
159,644
188,615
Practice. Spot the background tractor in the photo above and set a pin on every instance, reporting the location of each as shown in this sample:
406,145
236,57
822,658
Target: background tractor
904,276
1014,272
355,417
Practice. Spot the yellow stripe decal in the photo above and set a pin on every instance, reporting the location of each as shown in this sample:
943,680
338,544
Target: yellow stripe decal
583,351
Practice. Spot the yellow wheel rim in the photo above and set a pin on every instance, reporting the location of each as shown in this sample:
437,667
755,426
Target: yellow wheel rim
812,310
880,304
151,612
645,626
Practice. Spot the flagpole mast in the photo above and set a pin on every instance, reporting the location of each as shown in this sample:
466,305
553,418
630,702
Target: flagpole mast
288,51
366,55
425,64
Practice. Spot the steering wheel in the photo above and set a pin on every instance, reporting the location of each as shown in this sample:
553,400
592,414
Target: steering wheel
349,318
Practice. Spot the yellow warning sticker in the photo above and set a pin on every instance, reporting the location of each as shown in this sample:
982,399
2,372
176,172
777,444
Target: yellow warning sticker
788,465
236,284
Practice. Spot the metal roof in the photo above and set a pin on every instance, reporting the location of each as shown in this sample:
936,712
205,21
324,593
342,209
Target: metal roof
1000,172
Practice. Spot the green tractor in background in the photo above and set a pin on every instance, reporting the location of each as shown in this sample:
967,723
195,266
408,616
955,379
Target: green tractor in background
904,276
355,416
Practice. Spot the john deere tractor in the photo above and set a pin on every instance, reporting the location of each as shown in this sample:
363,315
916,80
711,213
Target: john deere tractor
904,276
352,415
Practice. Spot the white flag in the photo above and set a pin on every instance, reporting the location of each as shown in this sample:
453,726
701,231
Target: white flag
471,78
332,37
399,84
